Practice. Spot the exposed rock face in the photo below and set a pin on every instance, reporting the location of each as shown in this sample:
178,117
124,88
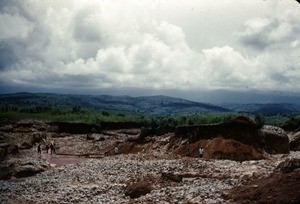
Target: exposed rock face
25,145
20,168
27,170
241,129
5,172
83,128
276,140
220,148
289,165
295,141
77,128
120,125
138,189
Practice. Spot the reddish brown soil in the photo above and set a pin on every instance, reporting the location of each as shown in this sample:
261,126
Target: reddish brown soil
220,148
277,188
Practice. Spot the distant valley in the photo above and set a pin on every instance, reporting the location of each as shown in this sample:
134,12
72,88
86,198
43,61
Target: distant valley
151,105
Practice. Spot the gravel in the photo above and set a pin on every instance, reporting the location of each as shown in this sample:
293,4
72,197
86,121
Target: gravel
104,180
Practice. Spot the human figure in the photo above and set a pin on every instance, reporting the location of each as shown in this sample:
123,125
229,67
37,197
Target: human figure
201,152
54,147
116,150
39,150
47,148
51,148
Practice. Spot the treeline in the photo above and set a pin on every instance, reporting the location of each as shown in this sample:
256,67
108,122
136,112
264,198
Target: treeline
61,114
151,123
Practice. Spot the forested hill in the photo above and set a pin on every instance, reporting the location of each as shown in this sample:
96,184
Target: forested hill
154,105
266,109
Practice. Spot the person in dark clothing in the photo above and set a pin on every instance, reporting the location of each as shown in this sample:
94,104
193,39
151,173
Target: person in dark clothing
47,149
39,149
51,148
54,147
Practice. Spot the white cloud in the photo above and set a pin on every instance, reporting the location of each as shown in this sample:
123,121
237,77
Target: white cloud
102,44
14,27
228,68
262,33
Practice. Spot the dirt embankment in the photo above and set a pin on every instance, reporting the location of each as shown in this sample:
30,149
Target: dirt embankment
87,168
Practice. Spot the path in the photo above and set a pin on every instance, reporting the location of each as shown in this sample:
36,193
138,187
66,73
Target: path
56,160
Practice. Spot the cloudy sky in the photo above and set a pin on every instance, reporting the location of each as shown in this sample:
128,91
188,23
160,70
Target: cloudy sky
85,46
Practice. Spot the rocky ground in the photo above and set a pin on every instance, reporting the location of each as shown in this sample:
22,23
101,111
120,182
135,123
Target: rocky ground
86,169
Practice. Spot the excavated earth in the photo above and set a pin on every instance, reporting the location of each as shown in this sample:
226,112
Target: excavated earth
86,169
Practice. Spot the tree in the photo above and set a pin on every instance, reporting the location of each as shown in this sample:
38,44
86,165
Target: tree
260,120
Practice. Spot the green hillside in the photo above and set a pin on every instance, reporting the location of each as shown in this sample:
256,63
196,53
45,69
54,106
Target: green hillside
266,109
152,105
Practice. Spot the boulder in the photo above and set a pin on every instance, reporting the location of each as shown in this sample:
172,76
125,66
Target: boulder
288,165
138,189
171,176
37,137
3,151
13,149
25,145
27,169
220,148
294,141
275,139
5,172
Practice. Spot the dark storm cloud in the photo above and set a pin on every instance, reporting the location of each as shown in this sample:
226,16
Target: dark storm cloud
142,44
258,42
7,57
256,34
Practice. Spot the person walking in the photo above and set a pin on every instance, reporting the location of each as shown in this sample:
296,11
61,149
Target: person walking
47,148
39,149
51,148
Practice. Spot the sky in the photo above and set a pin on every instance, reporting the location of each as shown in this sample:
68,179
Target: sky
146,47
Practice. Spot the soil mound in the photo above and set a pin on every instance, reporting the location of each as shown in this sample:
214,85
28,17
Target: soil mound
138,189
295,141
276,140
241,129
221,148
277,188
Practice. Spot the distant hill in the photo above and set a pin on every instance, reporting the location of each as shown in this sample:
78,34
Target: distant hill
267,109
153,105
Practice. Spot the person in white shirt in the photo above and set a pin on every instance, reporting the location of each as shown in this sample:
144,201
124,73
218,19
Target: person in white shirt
201,152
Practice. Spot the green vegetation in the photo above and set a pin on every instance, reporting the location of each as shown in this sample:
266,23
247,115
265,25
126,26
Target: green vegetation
156,113
78,114
75,114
